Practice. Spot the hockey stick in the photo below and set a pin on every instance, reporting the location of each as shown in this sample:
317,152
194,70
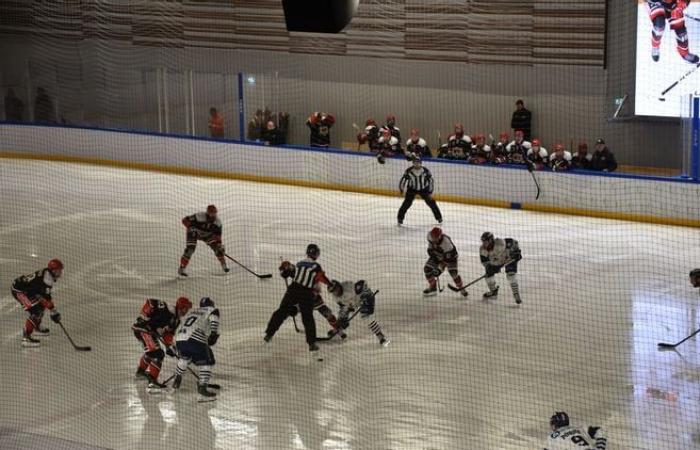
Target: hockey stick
265,275
79,348
440,288
665,345
531,169
456,289
675,83
697,19
349,320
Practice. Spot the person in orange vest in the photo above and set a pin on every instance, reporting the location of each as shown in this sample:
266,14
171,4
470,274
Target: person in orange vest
216,123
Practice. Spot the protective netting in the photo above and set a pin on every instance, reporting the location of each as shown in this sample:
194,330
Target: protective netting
598,294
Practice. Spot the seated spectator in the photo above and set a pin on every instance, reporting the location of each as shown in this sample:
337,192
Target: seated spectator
271,135
14,108
43,107
370,135
459,144
480,152
255,126
560,160
320,124
582,159
537,155
388,145
603,158
416,145
391,126
216,123
518,148
499,154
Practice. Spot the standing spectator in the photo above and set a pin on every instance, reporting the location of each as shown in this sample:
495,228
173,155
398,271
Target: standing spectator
43,107
255,126
14,108
271,135
603,158
416,145
522,119
537,155
561,159
391,126
216,123
582,159
320,124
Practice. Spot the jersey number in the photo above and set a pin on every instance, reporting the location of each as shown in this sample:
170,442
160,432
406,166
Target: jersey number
188,323
580,441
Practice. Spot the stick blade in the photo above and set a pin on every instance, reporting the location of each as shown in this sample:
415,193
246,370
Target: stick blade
265,276
453,288
83,349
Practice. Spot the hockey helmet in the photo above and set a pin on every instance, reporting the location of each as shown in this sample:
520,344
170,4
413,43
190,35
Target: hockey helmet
503,136
312,251
536,142
519,133
415,134
695,277
206,301
558,147
459,128
370,122
55,266
415,158
559,419
695,273
360,286
182,305
391,120
335,288
435,235
487,238
212,211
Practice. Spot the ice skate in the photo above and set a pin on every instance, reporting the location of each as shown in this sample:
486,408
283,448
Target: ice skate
177,382
655,53
267,338
691,58
154,387
204,394
181,272
313,348
518,300
225,268
384,341
29,341
430,291
141,373
42,331
493,293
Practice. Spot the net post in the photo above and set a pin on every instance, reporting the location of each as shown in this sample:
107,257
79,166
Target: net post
695,140
241,109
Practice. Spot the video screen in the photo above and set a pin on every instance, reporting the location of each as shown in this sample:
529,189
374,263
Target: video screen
668,45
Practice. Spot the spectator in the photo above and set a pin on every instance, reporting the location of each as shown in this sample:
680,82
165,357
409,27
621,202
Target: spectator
370,135
499,154
537,155
320,124
603,158
522,119
480,152
560,160
283,126
416,145
517,150
14,108
582,159
216,123
459,145
43,107
255,126
391,126
271,135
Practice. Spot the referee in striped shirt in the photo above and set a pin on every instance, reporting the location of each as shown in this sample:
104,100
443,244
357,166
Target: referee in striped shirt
417,180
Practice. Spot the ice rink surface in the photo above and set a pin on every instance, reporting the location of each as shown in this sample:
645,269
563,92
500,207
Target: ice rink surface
459,374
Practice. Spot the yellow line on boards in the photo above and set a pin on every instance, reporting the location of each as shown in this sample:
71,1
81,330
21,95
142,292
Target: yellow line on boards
176,170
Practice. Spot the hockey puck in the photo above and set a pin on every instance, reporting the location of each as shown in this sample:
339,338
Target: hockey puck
661,99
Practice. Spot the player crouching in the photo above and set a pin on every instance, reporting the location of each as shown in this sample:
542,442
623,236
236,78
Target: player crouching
496,253
157,323
203,226
441,254
33,292
350,297
198,332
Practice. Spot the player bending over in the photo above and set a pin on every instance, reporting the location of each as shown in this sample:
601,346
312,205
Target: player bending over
496,253
566,437
33,292
156,324
441,254
198,332
306,276
203,226
350,297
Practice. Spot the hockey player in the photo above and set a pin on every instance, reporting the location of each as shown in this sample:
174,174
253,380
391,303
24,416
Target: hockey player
416,146
537,155
196,335
560,160
459,145
417,180
320,124
518,148
499,154
33,292
370,135
582,159
661,11
391,126
442,254
352,296
480,152
566,437
327,314
496,253
387,146
203,226
306,275
695,277
157,323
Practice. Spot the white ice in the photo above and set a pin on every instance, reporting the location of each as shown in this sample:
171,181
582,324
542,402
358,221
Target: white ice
598,296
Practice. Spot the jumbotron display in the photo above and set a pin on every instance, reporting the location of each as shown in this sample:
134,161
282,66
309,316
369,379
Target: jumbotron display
668,43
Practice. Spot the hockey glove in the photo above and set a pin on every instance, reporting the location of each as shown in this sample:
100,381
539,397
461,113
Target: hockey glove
170,352
492,270
55,316
592,431
367,308
516,256
213,338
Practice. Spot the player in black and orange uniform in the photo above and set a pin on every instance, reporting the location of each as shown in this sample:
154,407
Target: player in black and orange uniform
156,323
33,292
661,11
203,226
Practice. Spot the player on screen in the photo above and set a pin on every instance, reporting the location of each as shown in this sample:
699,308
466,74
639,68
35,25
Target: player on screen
352,296
671,11
495,254
203,226
156,324
33,292
567,437
442,254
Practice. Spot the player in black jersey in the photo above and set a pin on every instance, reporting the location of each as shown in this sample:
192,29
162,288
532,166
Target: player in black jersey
33,292
303,290
203,226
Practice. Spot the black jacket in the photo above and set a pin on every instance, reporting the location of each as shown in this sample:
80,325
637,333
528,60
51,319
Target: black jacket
603,160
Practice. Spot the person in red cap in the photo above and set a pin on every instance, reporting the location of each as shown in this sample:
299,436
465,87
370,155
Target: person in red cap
33,292
203,226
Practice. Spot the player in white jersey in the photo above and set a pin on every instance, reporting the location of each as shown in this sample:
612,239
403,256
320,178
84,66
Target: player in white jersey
198,332
351,297
566,437
496,253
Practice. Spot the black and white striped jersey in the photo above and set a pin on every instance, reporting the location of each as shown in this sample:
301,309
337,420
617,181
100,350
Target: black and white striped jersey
308,273
417,179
